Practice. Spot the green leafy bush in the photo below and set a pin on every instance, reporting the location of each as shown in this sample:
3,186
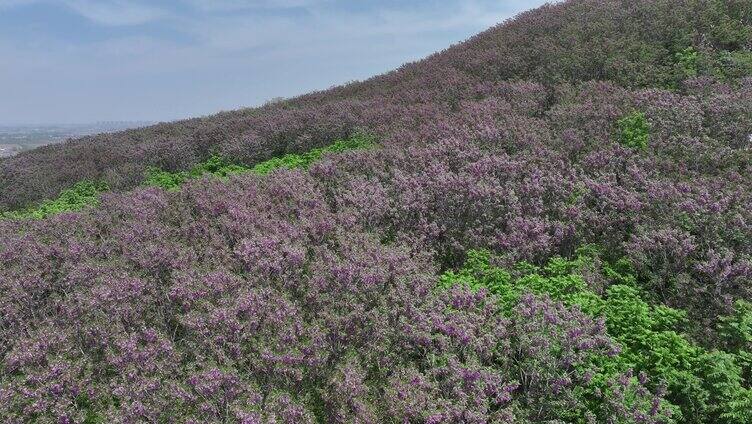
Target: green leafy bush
220,167
167,180
634,130
687,62
732,65
293,161
736,331
81,195
86,193
217,166
703,386
730,29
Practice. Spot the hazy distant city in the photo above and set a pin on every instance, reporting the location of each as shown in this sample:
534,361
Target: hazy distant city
17,138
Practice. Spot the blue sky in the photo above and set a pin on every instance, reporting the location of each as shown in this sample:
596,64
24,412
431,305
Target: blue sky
77,61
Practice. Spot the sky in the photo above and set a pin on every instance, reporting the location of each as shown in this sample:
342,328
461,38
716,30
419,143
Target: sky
81,61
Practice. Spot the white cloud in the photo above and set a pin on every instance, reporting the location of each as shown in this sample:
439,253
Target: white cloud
104,12
115,12
323,27
231,5
214,60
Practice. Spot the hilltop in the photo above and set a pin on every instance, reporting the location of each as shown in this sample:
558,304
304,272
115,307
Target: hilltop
549,222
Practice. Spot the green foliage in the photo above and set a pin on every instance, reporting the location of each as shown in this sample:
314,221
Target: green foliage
220,167
86,193
85,404
293,161
703,386
81,195
736,331
634,130
729,401
732,65
687,62
217,166
729,29
167,180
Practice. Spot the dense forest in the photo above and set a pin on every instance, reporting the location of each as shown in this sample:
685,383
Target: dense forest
550,222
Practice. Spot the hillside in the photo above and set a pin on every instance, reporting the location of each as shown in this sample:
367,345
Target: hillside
550,222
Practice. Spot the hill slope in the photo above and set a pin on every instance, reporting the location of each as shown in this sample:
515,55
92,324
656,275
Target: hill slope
555,225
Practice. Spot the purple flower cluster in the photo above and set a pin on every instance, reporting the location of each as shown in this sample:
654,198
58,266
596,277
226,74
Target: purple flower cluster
258,299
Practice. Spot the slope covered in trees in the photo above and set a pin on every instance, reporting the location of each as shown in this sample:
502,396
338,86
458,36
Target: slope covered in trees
554,224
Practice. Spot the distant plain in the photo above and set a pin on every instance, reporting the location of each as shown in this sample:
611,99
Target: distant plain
18,138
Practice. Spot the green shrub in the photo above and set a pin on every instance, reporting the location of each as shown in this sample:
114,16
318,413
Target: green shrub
81,195
293,161
216,165
703,386
687,61
729,401
220,167
730,28
736,331
86,193
733,65
634,130
167,180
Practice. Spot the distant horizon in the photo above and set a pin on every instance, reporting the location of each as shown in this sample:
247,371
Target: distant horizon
166,60
16,138
71,124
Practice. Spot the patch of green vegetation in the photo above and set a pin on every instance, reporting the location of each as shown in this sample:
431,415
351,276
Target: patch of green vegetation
634,130
215,165
305,160
736,330
86,193
221,167
703,386
733,65
687,62
81,195
156,177
730,29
